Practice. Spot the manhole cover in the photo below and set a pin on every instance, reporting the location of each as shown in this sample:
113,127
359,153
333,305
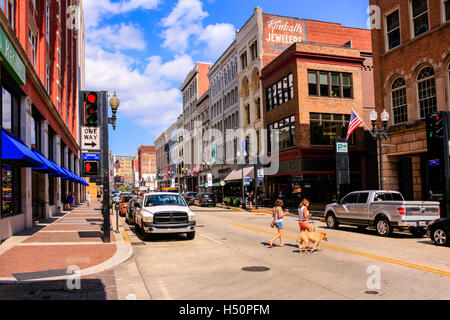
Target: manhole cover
374,292
255,269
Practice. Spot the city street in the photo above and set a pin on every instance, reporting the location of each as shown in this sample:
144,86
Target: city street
211,266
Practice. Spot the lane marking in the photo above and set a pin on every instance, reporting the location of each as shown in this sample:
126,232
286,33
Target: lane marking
211,239
358,253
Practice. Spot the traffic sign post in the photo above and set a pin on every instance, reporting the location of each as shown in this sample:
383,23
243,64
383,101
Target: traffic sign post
93,115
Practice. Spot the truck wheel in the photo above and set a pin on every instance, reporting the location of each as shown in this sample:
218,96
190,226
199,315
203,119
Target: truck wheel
332,222
440,237
383,227
418,232
190,235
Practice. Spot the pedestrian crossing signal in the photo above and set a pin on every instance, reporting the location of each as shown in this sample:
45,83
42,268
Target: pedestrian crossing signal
90,168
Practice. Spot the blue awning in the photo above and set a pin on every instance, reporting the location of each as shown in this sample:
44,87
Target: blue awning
67,176
60,173
48,167
15,153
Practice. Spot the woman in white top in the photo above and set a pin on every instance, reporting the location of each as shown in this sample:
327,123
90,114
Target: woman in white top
304,215
278,216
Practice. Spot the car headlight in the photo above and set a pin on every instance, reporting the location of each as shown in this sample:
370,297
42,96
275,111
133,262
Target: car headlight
147,219
191,218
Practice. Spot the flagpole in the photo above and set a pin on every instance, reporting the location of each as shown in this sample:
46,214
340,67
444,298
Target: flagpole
364,124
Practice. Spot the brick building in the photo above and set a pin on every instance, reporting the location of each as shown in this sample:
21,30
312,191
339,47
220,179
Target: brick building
412,70
309,92
147,166
41,73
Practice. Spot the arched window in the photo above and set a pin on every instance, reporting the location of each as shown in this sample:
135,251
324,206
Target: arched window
399,103
426,85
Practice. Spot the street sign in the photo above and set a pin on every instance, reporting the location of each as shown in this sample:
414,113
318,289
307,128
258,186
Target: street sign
91,156
210,179
90,138
246,181
342,147
261,173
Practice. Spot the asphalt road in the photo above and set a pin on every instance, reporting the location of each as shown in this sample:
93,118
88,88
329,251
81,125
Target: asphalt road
352,264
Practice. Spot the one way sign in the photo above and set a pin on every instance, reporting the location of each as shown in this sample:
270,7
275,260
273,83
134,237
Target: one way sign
90,138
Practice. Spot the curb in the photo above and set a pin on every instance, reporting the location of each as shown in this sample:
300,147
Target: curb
124,251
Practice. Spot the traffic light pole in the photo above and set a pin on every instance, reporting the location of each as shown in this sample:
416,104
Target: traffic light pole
105,167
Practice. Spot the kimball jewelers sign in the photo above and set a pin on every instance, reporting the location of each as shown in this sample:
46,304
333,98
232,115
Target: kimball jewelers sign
281,31
11,59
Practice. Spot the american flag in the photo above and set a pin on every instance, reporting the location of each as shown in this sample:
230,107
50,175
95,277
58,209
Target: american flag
355,122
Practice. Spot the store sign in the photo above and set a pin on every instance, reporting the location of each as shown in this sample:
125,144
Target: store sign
210,179
246,181
282,31
11,59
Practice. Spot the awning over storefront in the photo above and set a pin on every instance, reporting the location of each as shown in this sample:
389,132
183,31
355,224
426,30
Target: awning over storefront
60,173
15,153
237,174
48,167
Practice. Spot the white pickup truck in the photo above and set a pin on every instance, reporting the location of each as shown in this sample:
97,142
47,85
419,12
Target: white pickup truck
164,213
385,210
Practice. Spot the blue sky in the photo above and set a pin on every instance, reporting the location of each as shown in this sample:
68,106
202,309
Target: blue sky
143,49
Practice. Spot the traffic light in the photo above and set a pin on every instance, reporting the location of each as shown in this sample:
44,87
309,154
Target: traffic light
437,135
91,109
90,168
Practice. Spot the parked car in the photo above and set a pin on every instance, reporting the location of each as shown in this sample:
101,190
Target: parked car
164,212
130,214
385,210
439,232
189,197
205,200
123,204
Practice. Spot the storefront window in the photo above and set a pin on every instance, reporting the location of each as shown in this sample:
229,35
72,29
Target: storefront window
10,113
325,128
10,192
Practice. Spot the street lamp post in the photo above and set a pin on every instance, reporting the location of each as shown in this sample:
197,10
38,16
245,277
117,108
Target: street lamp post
114,102
243,178
380,133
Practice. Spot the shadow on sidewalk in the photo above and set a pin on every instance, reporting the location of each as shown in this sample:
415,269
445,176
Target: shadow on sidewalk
90,289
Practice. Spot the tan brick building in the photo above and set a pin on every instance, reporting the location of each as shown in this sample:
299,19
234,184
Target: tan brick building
309,92
412,66
147,166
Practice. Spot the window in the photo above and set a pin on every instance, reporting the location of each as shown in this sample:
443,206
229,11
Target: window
362,197
247,114
11,12
399,105
47,78
326,84
254,50
11,192
47,21
32,39
327,127
420,16
351,198
286,129
447,10
335,85
10,113
393,29
244,60
280,92
312,83
426,85
258,108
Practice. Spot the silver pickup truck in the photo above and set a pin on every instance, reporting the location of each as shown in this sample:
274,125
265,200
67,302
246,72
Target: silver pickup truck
385,210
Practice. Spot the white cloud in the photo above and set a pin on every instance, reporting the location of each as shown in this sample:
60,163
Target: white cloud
148,97
123,36
217,38
184,28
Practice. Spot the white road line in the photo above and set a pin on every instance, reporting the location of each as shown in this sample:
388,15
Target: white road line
211,239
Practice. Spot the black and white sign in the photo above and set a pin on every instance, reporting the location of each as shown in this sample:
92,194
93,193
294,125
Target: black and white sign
261,173
90,138
210,179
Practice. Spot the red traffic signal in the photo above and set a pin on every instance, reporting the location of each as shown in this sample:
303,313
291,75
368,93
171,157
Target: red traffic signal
92,97
91,168
91,109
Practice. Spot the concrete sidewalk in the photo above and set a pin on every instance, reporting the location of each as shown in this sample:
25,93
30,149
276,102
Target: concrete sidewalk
65,247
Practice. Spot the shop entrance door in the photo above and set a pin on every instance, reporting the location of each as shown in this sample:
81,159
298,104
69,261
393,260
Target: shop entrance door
405,178
37,203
